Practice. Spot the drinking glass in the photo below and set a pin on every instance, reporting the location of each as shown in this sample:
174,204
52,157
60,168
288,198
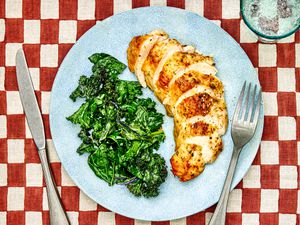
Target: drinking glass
271,20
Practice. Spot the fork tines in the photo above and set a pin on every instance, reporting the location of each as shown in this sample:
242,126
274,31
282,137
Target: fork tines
248,107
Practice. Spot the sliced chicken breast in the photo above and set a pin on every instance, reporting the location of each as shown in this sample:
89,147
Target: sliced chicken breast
185,81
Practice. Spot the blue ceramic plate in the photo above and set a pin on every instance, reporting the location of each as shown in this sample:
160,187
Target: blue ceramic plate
113,36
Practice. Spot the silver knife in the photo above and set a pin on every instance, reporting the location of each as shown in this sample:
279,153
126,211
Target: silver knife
34,119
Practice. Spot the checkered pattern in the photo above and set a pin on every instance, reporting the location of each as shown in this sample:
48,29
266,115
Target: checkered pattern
268,195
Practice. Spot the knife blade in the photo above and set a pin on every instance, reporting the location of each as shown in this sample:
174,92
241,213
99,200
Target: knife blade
29,102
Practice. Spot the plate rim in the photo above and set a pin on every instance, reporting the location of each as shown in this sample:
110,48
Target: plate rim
81,187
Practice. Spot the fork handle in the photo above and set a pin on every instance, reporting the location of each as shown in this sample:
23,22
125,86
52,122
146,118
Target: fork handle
219,215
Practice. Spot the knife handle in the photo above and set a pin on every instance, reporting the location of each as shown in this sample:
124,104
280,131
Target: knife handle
57,213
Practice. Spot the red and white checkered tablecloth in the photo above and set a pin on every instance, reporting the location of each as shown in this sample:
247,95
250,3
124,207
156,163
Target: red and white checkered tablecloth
47,29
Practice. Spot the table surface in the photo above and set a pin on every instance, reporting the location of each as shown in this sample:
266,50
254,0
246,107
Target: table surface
268,195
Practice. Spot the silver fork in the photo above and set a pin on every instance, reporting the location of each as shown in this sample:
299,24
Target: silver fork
243,128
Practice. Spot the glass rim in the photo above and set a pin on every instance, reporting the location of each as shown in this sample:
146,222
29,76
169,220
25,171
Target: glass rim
265,35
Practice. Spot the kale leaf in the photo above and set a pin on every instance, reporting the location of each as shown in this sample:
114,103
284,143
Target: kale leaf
119,130
105,68
111,65
88,86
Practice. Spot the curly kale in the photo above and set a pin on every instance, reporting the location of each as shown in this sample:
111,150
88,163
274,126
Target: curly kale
119,130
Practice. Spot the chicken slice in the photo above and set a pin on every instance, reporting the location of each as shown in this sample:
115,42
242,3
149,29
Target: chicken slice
138,50
189,159
200,125
197,100
196,103
199,128
157,57
178,61
186,79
